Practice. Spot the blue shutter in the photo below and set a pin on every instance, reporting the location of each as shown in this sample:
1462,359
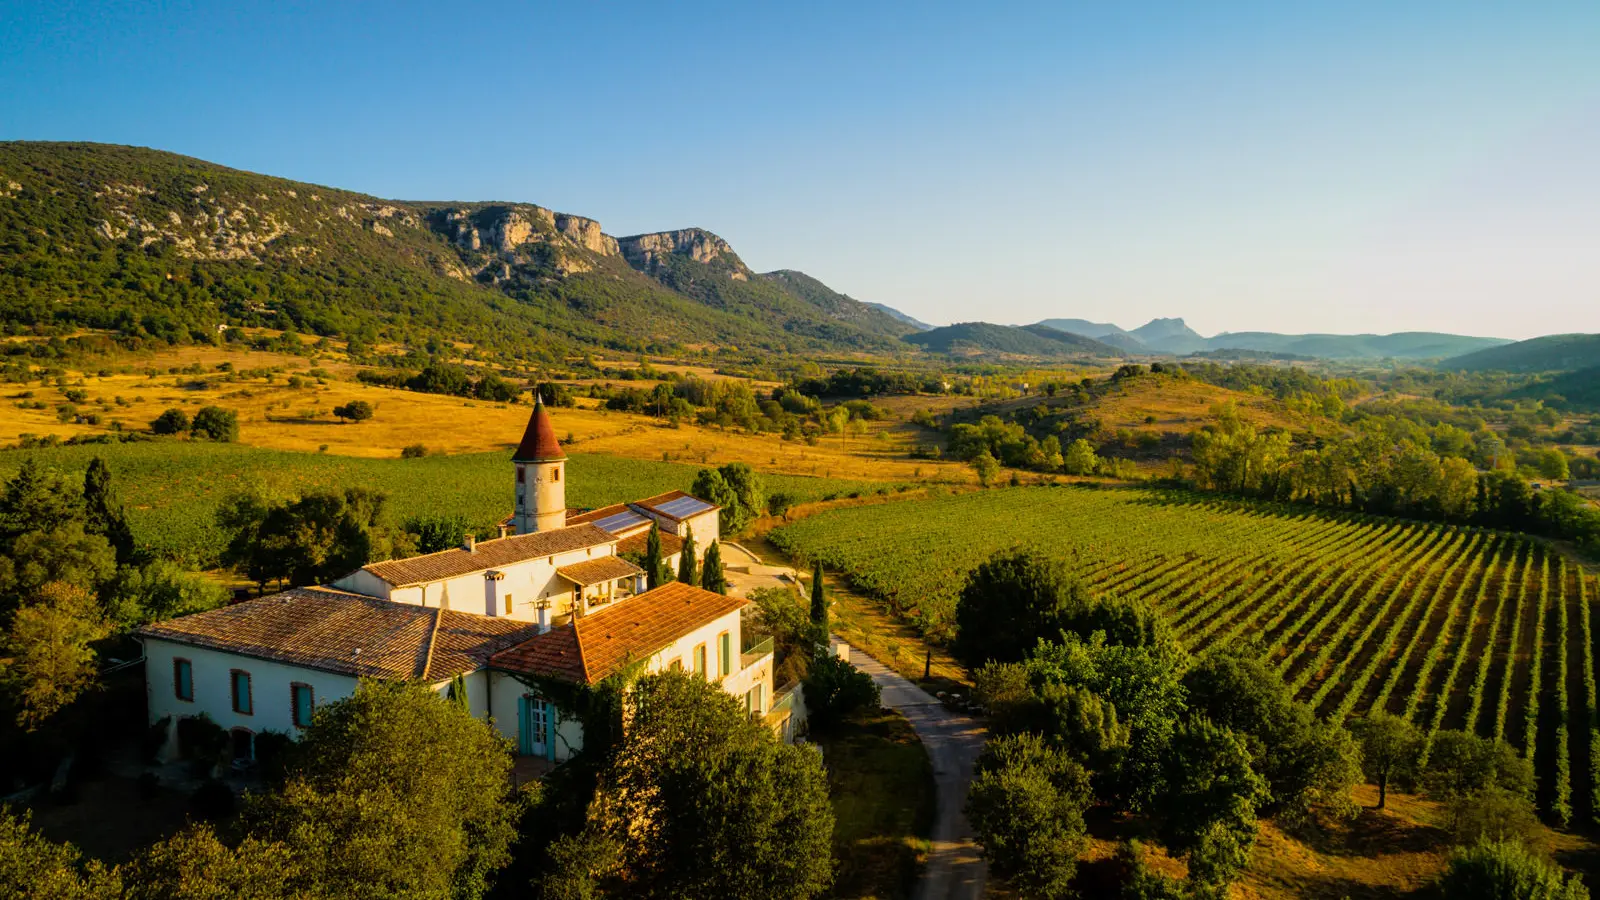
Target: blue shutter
303,706
184,674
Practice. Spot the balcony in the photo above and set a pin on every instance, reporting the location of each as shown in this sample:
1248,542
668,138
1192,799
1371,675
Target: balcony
751,655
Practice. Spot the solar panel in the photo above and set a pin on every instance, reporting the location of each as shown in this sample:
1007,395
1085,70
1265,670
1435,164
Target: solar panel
621,521
684,507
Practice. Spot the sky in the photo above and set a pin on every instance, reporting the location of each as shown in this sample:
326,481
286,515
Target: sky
1297,167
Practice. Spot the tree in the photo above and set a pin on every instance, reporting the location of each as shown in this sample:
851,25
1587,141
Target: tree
103,511
1390,748
1209,801
1505,870
656,569
216,424
986,467
435,533
712,577
687,564
710,486
1461,764
361,818
195,865
311,540
495,389
819,602
34,866
1011,602
1026,806
157,591
703,802
835,690
172,421
748,493
1305,761
49,657
62,554
355,411
1080,458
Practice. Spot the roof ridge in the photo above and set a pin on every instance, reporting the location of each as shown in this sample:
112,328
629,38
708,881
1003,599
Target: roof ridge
433,638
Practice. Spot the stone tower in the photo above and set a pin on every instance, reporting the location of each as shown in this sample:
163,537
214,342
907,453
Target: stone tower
541,476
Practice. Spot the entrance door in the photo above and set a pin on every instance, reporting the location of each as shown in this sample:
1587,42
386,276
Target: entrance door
533,721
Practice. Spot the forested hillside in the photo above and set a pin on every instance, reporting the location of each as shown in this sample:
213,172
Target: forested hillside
984,339
166,248
1552,353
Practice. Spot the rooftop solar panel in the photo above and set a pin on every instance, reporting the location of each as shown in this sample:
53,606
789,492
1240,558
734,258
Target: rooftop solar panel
621,521
683,507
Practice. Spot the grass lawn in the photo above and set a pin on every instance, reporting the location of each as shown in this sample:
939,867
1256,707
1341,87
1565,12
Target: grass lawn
883,795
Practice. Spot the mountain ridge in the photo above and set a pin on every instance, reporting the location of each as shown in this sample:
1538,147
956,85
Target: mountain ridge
1173,336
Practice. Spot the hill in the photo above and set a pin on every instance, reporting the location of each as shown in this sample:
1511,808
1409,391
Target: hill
1169,336
1405,345
983,338
1578,390
1552,353
896,314
168,248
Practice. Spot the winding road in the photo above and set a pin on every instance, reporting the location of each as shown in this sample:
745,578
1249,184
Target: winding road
953,741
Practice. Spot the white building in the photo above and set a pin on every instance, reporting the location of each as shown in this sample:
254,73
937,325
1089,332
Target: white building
557,600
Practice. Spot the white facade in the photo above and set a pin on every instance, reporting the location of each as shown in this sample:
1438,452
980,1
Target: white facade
541,503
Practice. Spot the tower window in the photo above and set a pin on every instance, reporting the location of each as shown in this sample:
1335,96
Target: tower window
520,470
555,474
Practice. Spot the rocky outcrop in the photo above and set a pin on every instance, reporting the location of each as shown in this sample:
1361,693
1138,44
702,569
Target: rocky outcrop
503,229
645,251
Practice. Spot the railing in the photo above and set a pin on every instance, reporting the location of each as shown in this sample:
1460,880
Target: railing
752,655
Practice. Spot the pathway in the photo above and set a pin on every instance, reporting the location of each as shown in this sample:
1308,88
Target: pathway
954,870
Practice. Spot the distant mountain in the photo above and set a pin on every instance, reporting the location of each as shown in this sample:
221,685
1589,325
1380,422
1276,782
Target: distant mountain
983,338
1104,332
1405,345
896,314
1576,390
1552,353
167,248
1174,336
1170,336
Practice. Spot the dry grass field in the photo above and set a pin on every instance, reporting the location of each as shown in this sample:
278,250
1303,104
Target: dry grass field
280,414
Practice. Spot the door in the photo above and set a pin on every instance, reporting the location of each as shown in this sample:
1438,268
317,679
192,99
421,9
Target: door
533,721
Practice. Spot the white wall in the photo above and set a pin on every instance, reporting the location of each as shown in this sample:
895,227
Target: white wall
269,687
504,692
525,583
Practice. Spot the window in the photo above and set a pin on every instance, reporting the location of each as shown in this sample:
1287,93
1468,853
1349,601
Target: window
757,691
700,660
677,665
725,652
520,471
241,692
301,704
244,743
183,679
555,474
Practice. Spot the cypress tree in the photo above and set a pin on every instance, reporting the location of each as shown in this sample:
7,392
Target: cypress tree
711,577
653,563
687,572
103,511
819,600
458,693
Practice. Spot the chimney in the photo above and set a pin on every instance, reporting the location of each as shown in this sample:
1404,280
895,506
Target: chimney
470,543
544,616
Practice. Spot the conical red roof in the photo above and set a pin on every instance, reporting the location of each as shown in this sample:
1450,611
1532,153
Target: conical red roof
539,441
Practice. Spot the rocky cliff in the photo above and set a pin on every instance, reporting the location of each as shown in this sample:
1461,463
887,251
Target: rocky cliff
647,252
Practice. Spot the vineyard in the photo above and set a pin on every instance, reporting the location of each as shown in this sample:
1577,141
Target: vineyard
1450,627
172,489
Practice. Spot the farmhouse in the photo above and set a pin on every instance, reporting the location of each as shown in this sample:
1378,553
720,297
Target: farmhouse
554,598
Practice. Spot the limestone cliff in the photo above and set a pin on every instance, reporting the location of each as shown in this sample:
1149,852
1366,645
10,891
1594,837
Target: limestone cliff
646,252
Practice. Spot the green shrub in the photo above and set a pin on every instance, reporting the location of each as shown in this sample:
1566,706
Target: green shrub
1504,870
834,689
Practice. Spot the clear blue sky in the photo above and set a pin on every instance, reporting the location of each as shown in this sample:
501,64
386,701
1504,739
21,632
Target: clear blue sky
1275,166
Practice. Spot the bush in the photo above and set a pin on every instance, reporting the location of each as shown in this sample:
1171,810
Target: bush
413,451
201,739
216,424
355,411
173,421
155,737
272,754
1026,804
1506,871
835,689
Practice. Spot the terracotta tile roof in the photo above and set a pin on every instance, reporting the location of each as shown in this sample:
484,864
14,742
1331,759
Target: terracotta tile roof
488,555
599,644
351,634
595,571
539,440
670,543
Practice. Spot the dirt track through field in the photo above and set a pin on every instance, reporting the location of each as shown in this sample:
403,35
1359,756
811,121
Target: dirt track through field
953,741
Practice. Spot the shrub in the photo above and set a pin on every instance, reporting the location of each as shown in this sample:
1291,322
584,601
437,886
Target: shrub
413,451
173,421
1506,871
201,739
835,689
155,737
216,424
355,411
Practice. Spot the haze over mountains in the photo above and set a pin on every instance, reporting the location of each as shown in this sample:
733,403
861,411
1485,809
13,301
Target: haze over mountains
1175,337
